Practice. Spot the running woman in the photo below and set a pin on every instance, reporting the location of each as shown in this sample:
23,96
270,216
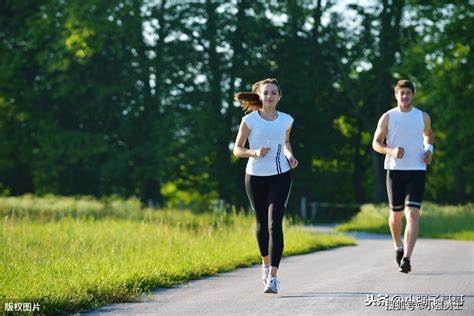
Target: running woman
268,171
408,148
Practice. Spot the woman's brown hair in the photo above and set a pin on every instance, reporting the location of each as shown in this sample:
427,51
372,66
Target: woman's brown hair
250,101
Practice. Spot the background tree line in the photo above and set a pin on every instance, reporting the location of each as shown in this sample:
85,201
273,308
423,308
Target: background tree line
136,97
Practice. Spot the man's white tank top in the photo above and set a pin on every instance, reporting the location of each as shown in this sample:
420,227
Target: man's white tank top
405,129
271,134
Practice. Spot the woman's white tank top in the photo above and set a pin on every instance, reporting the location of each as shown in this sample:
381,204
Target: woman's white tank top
405,129
271,134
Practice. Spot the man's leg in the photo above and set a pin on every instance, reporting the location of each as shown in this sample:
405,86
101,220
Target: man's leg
395,222
415,189
411,231
396,199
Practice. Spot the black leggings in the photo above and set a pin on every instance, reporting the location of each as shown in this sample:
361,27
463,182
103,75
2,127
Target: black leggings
268,196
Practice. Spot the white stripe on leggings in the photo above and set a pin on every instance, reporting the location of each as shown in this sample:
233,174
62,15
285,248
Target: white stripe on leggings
251,200
289,191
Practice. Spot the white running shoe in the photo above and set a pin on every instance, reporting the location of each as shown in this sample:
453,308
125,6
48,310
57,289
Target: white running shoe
265,274
272,286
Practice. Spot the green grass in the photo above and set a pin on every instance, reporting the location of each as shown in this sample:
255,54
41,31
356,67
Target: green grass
451,222
79,253
52,207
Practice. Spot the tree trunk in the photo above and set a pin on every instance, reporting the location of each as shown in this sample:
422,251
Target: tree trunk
459,185
389,45
219,127
237,70
357,178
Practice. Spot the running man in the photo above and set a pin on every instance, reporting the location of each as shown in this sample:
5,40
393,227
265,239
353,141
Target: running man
408,148
268,171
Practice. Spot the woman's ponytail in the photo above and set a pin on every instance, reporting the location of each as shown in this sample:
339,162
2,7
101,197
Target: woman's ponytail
250,101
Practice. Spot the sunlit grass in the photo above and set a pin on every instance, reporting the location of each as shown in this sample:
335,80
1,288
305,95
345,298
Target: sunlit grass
452,222
52,207
72,262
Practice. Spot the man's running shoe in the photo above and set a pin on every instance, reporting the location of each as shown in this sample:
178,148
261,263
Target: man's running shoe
405,266
399,256
272,286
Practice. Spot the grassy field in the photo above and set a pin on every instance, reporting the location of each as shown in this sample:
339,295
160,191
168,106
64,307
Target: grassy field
452,222
72,254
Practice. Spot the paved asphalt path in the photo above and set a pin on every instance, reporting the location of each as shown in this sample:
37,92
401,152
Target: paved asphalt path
340,281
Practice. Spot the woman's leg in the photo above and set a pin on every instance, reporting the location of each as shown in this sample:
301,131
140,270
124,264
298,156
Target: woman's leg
257,192
278,197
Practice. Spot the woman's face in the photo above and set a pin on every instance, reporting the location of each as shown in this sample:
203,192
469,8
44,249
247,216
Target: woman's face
269,95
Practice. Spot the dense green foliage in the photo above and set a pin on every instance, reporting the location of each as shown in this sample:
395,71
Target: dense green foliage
134,97
436,221
71,254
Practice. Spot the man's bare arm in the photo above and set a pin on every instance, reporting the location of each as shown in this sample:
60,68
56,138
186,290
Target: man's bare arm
428,136
379,137
428,139
380,134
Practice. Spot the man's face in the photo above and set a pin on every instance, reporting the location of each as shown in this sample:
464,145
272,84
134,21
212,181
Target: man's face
404,97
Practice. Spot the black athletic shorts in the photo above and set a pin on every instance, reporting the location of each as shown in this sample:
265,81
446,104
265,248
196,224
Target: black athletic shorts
405,187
